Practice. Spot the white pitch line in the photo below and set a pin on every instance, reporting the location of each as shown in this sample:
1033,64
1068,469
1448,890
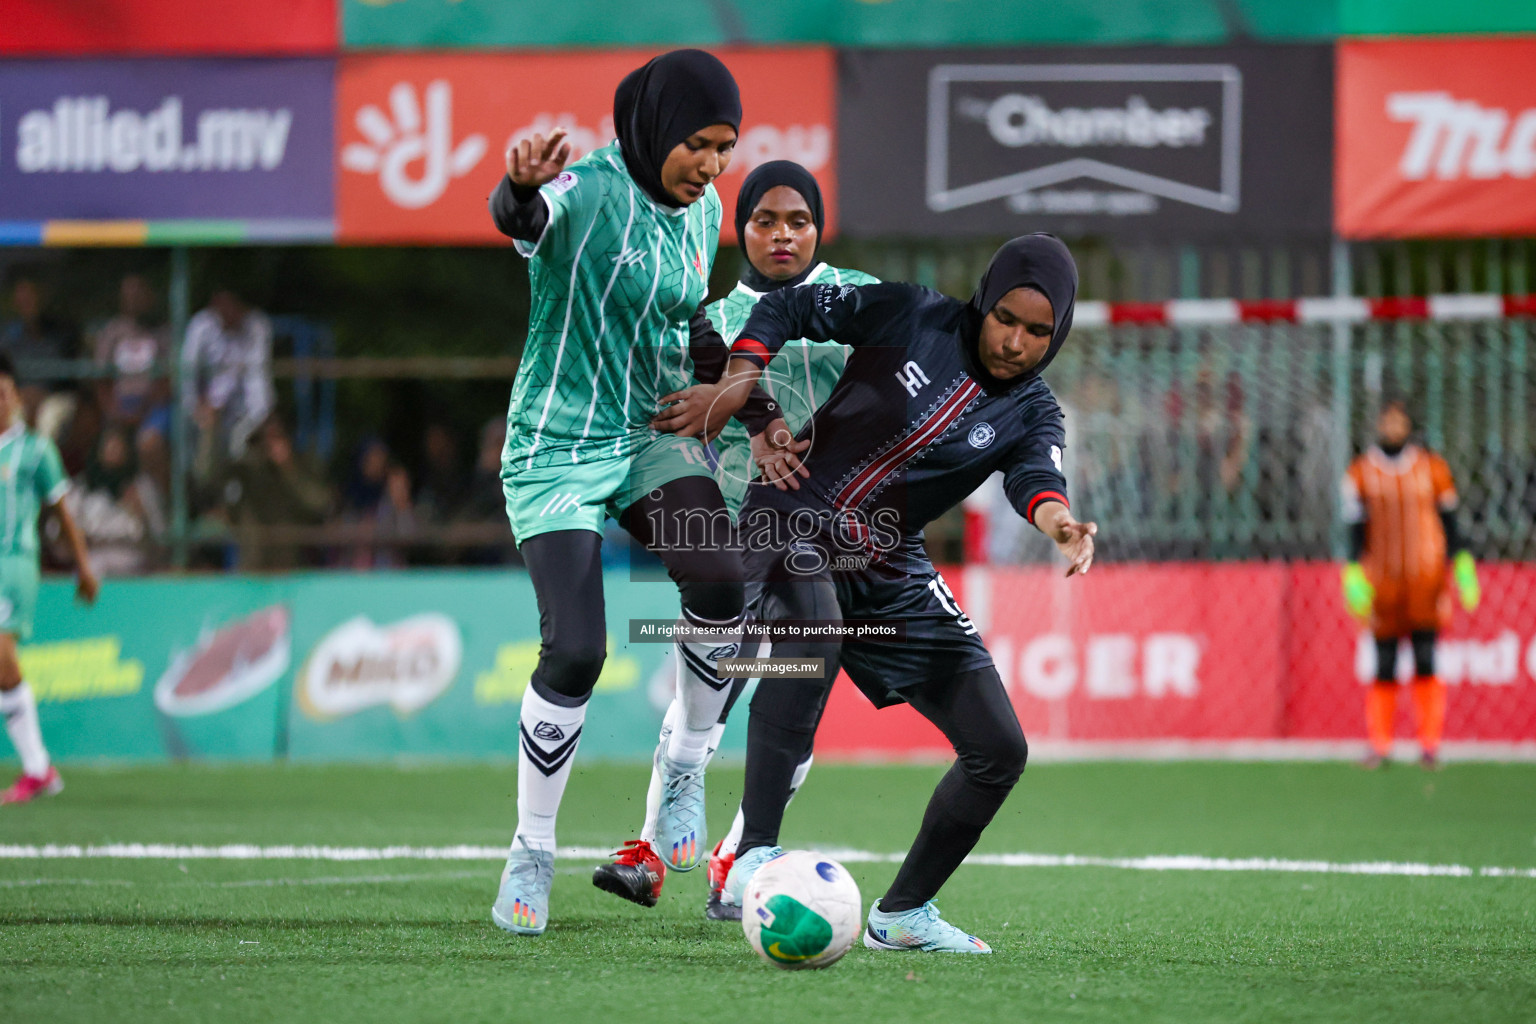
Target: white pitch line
167,851
270,883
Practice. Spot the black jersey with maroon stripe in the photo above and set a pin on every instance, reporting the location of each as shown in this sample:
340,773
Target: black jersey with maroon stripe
914,424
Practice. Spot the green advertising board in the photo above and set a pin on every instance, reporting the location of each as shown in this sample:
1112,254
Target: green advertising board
322,666
1430,17
850,23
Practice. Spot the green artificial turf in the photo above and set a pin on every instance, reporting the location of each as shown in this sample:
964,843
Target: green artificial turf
228,941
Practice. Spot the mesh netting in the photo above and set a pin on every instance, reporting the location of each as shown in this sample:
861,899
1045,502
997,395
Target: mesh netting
1210,459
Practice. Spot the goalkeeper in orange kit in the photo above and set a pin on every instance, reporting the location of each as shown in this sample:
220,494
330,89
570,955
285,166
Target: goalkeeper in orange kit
1400,504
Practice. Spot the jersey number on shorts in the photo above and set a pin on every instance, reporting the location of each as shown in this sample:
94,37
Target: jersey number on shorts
947,601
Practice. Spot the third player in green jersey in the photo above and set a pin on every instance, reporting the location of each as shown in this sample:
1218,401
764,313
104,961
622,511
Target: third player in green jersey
779,222
32,481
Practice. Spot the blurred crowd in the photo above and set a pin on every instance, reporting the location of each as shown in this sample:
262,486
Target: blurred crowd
255,500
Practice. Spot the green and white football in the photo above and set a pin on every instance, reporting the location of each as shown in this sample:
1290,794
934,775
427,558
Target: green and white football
802,910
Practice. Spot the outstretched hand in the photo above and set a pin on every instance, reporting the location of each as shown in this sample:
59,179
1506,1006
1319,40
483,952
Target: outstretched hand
1076,543
777,456
1073,539
536,161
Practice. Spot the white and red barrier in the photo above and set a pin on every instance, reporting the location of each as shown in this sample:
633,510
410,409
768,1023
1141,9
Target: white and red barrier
1221,312
1209,653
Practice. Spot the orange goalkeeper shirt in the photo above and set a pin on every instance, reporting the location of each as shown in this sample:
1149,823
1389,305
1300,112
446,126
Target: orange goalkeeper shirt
1400,499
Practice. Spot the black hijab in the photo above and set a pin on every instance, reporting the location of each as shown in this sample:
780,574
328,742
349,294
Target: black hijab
1037,261
661,103
759,183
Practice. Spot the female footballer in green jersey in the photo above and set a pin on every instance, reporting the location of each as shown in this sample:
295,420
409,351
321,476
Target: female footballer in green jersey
31,480
779,223
620,245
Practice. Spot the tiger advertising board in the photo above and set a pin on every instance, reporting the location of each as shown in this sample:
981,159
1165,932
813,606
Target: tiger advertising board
422,138
1436,138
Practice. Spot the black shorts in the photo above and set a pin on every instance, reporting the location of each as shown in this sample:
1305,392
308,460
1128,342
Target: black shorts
937,640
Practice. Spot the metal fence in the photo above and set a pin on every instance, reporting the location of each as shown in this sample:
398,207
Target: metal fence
1229,443
1215,442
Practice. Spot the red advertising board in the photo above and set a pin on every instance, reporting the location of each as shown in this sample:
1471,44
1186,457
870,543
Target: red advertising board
194,27
1436,137
421,137
1209,652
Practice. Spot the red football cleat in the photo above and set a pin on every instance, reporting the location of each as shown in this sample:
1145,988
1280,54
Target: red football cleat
636,873
29,787
720,867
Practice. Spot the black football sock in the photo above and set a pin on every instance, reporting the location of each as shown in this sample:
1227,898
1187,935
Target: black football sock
957,814
780,729
974,712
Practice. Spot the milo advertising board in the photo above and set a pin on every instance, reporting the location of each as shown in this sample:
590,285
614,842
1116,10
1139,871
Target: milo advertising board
161,668
324,666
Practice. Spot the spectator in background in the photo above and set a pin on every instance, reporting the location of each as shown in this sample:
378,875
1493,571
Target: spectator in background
484,502
364,490
444,484
117,507
154,452
378,501
32,335
134,344
227,368
395,517
273,485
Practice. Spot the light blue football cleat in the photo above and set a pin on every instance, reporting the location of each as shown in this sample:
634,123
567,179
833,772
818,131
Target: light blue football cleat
522,902
681,832
919,928
735,891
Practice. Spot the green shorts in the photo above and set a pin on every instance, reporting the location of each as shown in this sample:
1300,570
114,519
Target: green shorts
543,499
18,594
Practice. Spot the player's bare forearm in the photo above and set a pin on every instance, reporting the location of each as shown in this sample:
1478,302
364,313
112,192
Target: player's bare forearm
1073,539
87,585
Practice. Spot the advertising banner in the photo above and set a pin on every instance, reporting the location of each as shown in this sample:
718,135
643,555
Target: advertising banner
342,666
162,668
1434,17
163,27
421,138
326,667
1487,660
1436,138
594,23
436,664
1209,652
1164,143
166,139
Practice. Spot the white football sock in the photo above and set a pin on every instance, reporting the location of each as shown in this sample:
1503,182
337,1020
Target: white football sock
653,794
714,741
733,838
700,690
548,735
20,710
798,779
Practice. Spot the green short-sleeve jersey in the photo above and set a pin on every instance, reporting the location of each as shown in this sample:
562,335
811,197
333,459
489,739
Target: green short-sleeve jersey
615,278
799,378
31,476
